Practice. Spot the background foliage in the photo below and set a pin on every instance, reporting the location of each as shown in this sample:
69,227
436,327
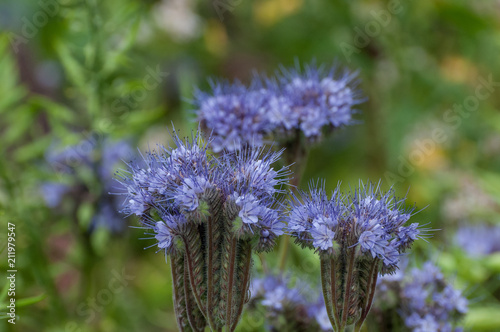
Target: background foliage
74,70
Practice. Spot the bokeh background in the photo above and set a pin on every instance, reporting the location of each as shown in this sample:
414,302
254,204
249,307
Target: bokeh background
83,84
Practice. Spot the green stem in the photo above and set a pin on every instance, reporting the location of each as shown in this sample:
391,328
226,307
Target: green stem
192,275
284,248
210,273
247,257
190,306
325,283
230,284
177,296
295,153
333,282
347,290
370,294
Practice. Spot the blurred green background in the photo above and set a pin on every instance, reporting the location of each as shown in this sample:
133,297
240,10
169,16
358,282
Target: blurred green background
73,71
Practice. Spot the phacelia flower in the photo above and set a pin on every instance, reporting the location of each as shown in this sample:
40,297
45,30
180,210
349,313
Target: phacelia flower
478,240
289,307
422,300
357,236
208,213
368,220
88,162
311,101
234,114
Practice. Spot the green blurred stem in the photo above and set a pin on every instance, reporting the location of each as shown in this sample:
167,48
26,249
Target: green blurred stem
89,256
295,154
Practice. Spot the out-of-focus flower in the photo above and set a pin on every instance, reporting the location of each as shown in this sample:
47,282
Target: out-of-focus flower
422,299
312,99
74,163
469,201
286,308
235,115
178,19
308,102
478,240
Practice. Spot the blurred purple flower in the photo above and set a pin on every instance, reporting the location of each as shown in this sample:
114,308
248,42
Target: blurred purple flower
479,240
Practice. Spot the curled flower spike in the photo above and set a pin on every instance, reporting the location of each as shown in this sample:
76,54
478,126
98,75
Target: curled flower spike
357,236
208,214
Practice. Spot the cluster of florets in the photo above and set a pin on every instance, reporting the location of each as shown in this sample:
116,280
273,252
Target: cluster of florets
236,115
368,219
172,186
286,307
423,299
478,240
85,166
308,101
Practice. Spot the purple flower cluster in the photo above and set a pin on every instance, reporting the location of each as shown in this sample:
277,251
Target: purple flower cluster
425,301
309,101
369,220
236,115
74,164
172,188
479,240
287,309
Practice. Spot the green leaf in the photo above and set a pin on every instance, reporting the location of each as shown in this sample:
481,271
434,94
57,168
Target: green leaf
73,68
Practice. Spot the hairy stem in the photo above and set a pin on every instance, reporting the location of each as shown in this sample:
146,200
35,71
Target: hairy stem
327,295
194,261
333,283
348,288
372,284
210,273
230,285
246,262
194,316
177,268
215,224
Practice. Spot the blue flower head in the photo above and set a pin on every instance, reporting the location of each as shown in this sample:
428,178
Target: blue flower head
183,181
308,101
478,240
234,114
424,299
312,99
253,183
96,160
367,219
